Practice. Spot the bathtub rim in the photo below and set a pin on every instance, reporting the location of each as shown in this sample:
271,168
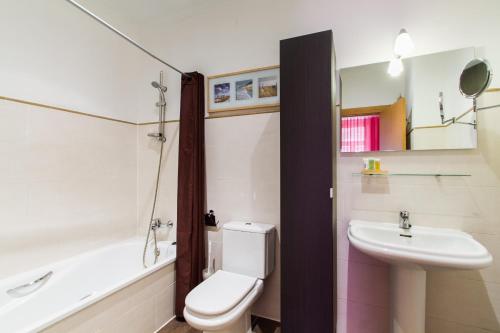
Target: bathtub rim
40,325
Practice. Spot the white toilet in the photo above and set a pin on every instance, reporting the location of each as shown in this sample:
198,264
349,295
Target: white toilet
222,303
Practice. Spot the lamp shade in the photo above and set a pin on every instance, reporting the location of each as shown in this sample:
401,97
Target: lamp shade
403,45
395,67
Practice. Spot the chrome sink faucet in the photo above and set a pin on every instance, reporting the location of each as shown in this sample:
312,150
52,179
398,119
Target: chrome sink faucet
404,220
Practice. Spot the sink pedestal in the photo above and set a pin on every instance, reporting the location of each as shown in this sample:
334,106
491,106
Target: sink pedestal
410,253
408,299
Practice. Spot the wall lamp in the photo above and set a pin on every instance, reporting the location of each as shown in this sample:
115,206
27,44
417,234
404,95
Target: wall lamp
403,46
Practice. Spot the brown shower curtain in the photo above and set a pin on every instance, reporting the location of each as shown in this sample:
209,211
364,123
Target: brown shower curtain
191,189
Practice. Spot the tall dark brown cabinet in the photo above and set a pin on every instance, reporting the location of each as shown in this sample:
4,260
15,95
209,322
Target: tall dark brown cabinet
307,233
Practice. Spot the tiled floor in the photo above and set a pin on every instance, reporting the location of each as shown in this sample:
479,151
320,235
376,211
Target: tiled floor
263,326
178,327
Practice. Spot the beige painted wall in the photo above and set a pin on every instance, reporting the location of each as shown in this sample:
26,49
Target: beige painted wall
186,33
67,185
54,54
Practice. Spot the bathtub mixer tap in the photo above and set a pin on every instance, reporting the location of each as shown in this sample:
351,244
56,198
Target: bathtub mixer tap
154,226
157,224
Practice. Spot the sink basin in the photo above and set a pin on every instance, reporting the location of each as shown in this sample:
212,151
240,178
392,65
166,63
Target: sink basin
423,246
412,252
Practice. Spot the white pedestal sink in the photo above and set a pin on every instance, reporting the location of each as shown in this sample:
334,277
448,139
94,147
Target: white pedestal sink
411,253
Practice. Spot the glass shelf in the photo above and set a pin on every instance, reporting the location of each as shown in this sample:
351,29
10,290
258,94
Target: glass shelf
414,174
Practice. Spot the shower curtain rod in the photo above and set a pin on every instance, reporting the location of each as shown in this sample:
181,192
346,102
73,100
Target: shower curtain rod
121,34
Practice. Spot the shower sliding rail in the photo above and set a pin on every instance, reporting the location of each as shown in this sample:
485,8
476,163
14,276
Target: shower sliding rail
121,34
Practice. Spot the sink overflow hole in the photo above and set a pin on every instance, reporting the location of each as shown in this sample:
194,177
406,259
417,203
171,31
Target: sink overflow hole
407,236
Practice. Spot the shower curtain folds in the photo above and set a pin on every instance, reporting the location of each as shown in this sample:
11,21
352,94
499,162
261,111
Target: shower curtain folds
191,189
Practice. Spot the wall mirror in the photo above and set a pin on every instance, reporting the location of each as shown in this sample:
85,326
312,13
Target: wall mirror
429,105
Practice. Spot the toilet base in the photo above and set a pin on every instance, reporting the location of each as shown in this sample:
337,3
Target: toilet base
242,325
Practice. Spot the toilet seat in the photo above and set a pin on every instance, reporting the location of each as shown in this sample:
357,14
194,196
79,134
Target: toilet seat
219,293
221,300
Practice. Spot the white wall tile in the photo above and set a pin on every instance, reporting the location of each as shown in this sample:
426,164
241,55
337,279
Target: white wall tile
67,184
148,152
243,183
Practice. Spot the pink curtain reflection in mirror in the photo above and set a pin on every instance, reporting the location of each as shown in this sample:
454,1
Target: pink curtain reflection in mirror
360,133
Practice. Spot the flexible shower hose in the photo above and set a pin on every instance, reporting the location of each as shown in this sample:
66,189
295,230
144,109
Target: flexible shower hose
156,252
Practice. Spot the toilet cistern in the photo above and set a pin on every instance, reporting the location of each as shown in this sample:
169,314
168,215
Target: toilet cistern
222,303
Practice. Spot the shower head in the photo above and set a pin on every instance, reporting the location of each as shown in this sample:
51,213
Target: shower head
159,86
161,105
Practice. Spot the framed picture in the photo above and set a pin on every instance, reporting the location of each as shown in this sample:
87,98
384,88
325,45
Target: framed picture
256,89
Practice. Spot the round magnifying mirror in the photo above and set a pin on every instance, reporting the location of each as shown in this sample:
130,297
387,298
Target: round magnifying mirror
475,78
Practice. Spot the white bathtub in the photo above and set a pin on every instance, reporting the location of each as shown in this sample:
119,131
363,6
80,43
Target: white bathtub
75,284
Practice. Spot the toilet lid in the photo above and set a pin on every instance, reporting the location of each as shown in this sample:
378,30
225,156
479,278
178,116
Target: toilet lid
219,293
